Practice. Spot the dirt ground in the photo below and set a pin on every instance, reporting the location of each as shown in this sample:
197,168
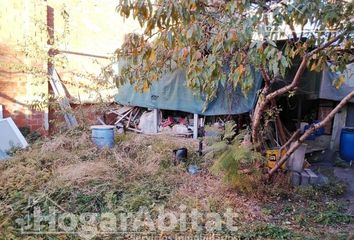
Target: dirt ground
347,175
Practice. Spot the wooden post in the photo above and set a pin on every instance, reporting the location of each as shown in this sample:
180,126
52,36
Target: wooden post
46,120
299,111
156,121
195,126
63,101
338,124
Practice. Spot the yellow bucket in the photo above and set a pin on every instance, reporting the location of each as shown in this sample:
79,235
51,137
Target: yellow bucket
272,156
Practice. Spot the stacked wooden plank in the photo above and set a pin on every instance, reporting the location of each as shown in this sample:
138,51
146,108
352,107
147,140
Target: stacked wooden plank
127,117
139,120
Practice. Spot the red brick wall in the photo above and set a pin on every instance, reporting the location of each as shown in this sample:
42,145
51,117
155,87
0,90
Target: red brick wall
13,92
85,114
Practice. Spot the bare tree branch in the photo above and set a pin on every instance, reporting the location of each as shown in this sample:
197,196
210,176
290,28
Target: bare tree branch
307,133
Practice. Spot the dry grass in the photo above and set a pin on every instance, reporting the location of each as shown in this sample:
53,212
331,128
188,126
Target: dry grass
84,172
210,194
138,171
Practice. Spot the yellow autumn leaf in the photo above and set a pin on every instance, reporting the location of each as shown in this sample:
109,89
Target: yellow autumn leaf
136,10
193,7
348,44
146,86
152,56
241,69
339,81
313,67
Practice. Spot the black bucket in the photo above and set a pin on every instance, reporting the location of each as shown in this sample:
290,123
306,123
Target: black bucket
180,155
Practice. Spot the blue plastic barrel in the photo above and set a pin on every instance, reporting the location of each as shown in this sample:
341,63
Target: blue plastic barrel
312,135
103,136
319,131
347,144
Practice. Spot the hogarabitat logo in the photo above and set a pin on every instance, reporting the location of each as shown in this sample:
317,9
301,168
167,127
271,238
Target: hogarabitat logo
55,220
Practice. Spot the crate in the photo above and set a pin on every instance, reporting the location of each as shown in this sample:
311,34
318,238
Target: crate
272,155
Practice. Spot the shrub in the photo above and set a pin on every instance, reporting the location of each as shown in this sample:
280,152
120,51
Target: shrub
237,162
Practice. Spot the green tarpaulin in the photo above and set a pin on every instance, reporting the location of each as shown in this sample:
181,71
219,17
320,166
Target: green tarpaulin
171,93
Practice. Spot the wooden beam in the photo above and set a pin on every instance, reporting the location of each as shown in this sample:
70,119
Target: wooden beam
195,126
82,54
60,93
122,117
130,117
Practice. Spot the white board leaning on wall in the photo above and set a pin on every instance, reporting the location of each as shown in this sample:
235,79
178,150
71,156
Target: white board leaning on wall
10,135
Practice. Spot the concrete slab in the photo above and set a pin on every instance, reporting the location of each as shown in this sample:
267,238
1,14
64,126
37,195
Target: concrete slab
295,178
305,179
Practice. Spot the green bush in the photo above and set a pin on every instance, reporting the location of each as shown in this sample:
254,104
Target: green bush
236,162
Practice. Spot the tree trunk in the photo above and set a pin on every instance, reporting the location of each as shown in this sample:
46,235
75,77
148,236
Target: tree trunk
307,133
265,97
256,120
260,107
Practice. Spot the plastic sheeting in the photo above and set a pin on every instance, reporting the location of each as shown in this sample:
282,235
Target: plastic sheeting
171,93
329,91
3,155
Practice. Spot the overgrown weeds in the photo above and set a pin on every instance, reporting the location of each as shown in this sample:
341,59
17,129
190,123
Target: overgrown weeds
77,177
320,192
237,163
270,231
69,172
